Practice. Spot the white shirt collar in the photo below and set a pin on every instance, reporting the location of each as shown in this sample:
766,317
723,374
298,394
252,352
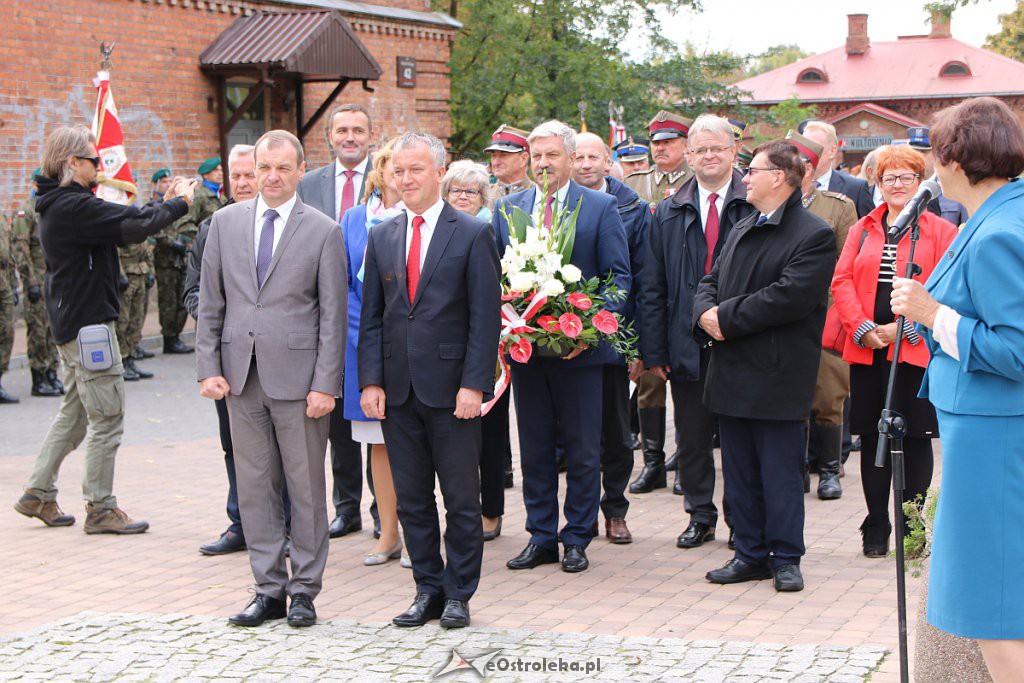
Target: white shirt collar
430,216
824,180
284,211
705,195
360,168
538,200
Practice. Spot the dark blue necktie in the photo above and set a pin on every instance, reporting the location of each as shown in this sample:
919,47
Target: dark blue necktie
762,220
266,250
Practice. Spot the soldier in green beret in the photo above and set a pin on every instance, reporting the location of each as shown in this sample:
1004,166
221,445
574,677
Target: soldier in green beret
171,252
6,305
28,257
161,180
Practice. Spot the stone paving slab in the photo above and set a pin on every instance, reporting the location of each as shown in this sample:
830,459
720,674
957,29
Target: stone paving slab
98,646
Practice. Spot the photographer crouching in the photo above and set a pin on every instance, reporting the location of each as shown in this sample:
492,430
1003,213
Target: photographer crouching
80,234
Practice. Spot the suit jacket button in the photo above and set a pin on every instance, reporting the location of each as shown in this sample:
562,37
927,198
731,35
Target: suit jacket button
250,334
412,317
259,307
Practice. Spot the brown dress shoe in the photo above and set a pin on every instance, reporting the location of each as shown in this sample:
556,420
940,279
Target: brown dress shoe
616,531
46,510
111,521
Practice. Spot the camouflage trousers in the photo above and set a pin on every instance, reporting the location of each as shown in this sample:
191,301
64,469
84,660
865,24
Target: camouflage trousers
133,314
170,284
6,322
42,351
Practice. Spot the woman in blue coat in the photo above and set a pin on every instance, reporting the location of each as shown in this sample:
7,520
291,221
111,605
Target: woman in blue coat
973,309
382,202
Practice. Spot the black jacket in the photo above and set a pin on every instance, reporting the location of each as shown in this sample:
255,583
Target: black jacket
856,189
194,266
635,214
447,337
80,234
770,284
673,266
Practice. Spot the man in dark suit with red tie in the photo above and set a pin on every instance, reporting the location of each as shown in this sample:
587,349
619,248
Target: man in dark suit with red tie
427,339
332,190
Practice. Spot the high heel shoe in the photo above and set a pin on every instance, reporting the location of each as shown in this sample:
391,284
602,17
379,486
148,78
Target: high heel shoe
406,561
491,535
373,559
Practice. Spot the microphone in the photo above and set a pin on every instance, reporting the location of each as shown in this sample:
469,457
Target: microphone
915,207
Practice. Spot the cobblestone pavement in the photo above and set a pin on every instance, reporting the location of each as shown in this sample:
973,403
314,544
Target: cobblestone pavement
99,647
645,600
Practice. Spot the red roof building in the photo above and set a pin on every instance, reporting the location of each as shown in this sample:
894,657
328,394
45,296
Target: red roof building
872,92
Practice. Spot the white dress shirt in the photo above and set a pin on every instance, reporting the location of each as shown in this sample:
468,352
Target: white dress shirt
283,212
430,217
824,180
357,182
704,197
946,323
539,198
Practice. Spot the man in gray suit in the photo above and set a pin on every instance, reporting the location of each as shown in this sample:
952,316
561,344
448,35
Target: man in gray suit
332,190
270,337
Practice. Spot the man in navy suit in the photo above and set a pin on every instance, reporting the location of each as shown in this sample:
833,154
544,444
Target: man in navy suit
427,344
561,397
825,178
332,190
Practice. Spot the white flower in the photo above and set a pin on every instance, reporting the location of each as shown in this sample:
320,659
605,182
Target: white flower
571,273
521,282
553,287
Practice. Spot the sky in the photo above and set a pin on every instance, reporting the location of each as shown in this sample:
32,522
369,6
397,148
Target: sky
752,26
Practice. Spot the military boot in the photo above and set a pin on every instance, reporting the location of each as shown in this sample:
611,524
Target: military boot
129,363
175,345
828,442
139,353
54,380
40,387
652,429
4,396
129,373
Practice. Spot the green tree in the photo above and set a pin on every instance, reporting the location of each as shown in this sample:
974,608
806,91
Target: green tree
1010,39
775,57
788,114
524,61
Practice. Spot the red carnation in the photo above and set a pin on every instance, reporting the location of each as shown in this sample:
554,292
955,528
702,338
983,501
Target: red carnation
548,323
570,324
606,322
521,350
580,301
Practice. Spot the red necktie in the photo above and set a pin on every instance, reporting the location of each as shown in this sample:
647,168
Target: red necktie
348,194
412,266
711,231
549,212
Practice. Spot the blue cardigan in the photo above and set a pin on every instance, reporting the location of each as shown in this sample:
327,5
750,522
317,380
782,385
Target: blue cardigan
353,231
980,278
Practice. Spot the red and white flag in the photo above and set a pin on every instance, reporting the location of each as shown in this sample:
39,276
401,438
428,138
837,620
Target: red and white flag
616,131
115,178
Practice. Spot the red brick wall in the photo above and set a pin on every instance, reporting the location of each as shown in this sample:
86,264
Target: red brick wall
51,54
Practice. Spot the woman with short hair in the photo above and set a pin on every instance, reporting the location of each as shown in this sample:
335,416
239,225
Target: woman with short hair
972,313
467,187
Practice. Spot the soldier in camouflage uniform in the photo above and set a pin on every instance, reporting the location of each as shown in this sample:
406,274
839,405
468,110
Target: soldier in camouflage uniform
667,132
833,384
510,159
171,254
135,270
6,305
28,257
161,180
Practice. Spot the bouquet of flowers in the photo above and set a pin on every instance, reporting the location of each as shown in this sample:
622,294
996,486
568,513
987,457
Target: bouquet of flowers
548,305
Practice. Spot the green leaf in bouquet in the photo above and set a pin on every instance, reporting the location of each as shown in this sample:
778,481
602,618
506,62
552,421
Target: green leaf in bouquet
518,223
565,235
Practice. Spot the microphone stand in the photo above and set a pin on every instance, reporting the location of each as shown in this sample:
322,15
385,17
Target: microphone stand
893,426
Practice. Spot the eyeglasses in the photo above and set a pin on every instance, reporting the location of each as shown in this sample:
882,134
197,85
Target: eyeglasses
456,191
905,179
701,151
95,160
751,170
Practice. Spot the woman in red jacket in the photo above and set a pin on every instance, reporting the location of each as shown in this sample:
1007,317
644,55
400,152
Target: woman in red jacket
861,287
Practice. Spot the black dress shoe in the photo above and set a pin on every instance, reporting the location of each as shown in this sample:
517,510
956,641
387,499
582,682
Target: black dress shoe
229,542
424,608
455,614
575,559
677,485
738,571
732,540
788,578
695,535
301,611
343,524
533,556
509,481
260,609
